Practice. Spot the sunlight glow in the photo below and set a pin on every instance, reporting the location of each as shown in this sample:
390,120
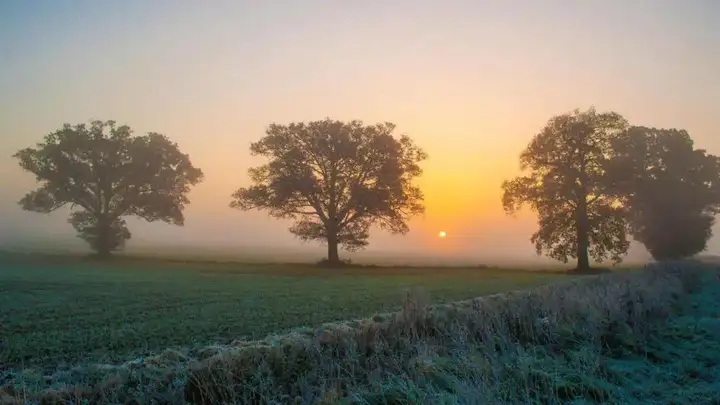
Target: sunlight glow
442,234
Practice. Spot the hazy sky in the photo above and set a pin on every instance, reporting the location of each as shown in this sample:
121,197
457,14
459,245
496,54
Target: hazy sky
470,81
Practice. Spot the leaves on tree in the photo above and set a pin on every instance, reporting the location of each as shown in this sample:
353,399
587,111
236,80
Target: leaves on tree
566,185
335,179
669,190
105,173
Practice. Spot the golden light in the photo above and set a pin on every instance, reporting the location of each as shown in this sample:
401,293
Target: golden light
442,234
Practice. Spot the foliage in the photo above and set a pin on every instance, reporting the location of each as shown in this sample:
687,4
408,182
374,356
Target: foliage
567,187
335,179
670,189
105,173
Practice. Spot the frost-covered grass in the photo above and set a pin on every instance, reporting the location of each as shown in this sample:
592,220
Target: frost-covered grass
646,337
64,311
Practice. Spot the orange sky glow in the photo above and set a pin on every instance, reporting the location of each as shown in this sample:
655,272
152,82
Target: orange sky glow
471,82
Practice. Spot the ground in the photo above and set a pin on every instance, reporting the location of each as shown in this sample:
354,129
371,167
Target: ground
630,337
64,310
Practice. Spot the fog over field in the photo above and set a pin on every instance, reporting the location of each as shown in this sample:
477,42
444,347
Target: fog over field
472,91
264,240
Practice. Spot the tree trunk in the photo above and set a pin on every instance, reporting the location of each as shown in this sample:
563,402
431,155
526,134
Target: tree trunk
103,253
102,245
583,261
333,256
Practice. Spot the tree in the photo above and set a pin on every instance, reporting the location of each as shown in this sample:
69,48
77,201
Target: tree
670,190
335,179
105,174
578,217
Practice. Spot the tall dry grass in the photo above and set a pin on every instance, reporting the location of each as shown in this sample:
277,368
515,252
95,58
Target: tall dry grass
482,338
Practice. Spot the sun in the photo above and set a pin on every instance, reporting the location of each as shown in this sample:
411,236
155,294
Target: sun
442,234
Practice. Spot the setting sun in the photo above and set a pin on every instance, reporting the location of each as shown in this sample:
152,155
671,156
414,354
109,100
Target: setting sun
442,234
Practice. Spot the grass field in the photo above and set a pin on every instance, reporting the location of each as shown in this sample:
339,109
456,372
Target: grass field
643,337
159,332
64,310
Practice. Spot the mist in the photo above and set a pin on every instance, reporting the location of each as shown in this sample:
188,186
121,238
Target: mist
471,91
230,237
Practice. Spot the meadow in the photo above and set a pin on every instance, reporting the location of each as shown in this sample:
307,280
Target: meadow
202,333
66,310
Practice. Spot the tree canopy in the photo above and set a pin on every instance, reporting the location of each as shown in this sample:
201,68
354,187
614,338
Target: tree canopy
578,215
105,173
335,179
670,190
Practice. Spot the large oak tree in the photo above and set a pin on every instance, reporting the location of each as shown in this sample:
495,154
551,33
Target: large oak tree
670,189
578,216
335,179
105,174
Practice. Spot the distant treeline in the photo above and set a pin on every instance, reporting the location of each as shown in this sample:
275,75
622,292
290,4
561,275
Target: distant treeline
594,180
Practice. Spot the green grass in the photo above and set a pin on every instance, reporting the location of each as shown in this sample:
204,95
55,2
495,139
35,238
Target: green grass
644,337
649,337
65,310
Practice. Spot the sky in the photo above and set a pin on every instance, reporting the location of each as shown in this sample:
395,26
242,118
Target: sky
470,81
